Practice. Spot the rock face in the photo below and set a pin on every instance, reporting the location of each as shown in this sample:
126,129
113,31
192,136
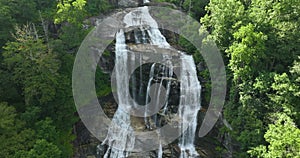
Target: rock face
129,3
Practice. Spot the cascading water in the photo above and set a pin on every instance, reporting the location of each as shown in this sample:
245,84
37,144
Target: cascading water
141,17
151,76
169,73
146,1
120,135
190,95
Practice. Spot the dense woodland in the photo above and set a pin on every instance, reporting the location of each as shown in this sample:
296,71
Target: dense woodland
259,41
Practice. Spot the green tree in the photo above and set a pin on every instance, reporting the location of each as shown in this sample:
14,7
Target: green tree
46,130
33,65
15,12
222,21
283,137
14,136
278,20
260,43
71,11
246,53
6,24
96,7
195,7
41,149
45,86
8,89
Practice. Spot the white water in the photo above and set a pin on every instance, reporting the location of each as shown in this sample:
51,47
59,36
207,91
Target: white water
120,134
151,76
141,17
169,73
141,75
160,151
146,1
133,80
122,138
189,106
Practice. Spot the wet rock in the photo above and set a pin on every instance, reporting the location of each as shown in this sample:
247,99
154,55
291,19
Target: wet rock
129,3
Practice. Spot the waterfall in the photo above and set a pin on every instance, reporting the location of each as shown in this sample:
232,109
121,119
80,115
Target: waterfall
189,95
141,17
136,37
169,73
120,136
141,75
151,76
160,151
133,81
146,1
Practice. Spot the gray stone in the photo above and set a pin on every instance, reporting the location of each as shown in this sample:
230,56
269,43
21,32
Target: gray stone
128,3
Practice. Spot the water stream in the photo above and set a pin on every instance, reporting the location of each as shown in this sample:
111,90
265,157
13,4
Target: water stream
189,101
122,139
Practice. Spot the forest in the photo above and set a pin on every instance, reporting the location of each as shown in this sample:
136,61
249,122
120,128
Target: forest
259,41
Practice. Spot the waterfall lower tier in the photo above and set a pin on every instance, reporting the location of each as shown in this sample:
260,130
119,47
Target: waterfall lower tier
121,134
190,95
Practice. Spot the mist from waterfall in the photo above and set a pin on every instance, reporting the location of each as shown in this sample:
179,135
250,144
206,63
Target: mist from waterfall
120,136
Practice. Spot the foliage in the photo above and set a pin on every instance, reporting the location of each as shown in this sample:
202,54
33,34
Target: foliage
8,90
102,83
34,66
222,21
246,52
283,137
15,12
45,97
260,44
41,149
95,7
72,36
71,11
13,136
194,8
